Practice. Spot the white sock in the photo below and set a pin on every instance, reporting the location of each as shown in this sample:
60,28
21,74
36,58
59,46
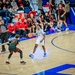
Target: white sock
21,60
33,53
7,60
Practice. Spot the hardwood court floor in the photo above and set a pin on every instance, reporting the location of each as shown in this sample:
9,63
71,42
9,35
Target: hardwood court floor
60,49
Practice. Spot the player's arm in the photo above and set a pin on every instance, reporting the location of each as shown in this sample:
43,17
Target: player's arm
35,34
20,45
5,43
63,13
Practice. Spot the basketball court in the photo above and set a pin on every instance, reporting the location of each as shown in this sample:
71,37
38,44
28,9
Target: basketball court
60,58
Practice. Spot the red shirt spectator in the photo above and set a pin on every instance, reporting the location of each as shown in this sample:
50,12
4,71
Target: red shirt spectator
19,25
25,26
48,5
24,20
11,28
32,12
22,24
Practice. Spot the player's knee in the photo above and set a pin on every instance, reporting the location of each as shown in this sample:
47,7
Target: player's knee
11,53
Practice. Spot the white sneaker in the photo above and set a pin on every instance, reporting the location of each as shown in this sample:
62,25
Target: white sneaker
58,30
31,55
67,29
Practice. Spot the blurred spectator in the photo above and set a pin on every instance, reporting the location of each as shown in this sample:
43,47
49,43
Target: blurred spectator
52,17
60,4
26,3
1,20
26,28
61,14
19,2
12,29
41,21
40,18
14,5
46,17
4,15
31,22
21,28
3,34
10,14
48,6
59,26
1,5
67,9
6,3
52,2
52,29
27,7
21,7
32,12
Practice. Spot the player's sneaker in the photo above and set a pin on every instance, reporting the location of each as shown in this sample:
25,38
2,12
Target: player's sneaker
45,54
58,30
22,62
7,62
31,55
67,29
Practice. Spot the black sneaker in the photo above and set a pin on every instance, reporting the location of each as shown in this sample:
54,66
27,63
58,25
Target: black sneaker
3,50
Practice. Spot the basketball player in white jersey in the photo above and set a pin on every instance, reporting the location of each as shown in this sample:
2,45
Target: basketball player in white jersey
40,40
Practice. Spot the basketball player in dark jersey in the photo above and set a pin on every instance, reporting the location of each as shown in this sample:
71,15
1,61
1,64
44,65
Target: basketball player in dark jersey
13,49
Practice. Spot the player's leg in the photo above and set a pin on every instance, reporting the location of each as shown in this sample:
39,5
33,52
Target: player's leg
7,62
21,55
59,25
43,47
36,45
66,25
34,50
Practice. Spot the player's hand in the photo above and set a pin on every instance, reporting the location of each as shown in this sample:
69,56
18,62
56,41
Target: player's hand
34,34
61,15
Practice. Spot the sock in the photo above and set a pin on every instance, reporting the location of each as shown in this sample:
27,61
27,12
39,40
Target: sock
32,53
44,52
7,60
21,60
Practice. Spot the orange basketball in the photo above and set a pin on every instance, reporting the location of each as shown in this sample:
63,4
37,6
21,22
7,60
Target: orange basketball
30,35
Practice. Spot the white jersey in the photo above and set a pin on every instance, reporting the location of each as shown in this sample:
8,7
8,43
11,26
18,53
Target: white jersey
40,33
40,36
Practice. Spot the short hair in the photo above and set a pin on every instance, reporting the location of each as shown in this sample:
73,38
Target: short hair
17,36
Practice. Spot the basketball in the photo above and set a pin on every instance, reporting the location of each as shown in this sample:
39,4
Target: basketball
30,35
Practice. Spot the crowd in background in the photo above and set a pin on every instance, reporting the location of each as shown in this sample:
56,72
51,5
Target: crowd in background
27,23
